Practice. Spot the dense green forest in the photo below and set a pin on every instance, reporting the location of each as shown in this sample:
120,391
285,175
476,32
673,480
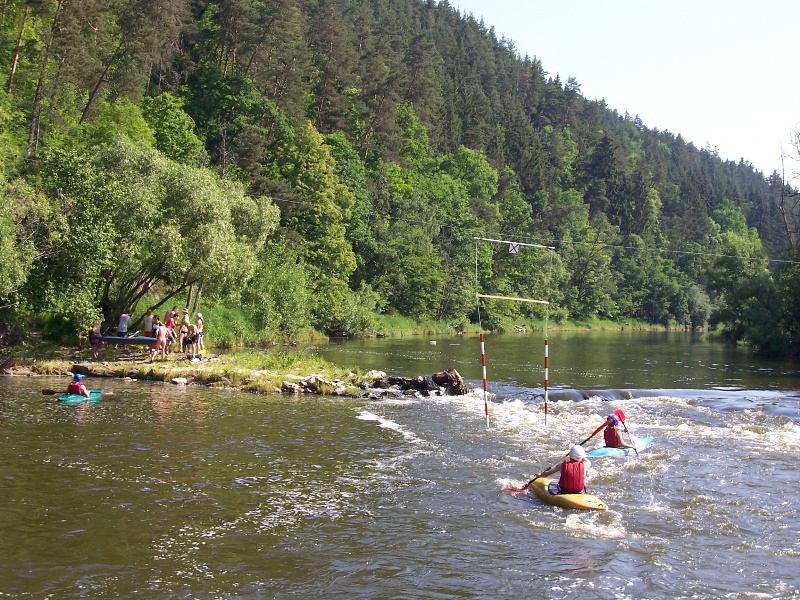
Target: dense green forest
313,164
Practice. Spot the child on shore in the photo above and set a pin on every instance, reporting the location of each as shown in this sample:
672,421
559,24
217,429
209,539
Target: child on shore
96,339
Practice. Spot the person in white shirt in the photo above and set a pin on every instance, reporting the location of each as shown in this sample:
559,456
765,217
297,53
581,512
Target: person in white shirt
124,321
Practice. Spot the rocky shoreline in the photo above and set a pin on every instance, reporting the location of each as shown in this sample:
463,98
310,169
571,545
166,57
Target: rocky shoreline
372,385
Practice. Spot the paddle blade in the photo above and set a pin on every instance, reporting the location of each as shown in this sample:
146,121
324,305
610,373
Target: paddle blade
620,415
47,392
517,488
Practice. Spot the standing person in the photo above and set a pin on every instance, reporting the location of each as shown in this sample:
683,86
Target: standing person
169,323
76,386
171,313
96,338
124,321
161,332
191,339
184,329
147,323
199,323
613,434
572,469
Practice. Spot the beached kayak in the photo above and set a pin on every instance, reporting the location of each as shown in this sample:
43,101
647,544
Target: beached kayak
96,395
541,487
640,443
141,340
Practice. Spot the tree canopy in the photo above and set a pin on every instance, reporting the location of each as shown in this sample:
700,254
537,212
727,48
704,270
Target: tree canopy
352,151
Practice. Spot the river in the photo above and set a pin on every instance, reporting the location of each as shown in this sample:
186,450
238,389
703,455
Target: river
166,492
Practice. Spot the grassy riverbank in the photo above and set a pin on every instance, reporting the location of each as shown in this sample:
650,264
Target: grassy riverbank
277,369
273,370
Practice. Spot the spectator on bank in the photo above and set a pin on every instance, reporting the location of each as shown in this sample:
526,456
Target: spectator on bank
173,312
191,340
124,322
96,338
183,332
200,324
147,323
169,323
161,333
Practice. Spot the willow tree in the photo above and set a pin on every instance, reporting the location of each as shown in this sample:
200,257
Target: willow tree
138,222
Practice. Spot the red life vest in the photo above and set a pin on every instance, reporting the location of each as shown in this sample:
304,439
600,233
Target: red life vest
571,481
75,388
611,436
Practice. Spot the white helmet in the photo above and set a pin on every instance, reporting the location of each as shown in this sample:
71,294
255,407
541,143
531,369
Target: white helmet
577,452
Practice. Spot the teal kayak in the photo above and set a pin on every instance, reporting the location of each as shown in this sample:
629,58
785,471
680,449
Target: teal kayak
640,443
95,396
141,340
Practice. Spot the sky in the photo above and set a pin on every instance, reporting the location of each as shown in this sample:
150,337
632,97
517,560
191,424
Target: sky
722,73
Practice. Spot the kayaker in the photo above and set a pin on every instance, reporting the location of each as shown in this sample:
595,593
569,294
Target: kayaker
572,469
76,386
613,434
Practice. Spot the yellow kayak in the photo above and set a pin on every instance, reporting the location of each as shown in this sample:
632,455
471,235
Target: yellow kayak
579,501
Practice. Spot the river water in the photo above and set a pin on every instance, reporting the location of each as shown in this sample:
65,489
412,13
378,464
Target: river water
165,492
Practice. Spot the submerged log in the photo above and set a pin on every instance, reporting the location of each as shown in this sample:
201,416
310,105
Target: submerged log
419,383
447,382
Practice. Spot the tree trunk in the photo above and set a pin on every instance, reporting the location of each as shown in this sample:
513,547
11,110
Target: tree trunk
33,130
197,299
104,76
18,48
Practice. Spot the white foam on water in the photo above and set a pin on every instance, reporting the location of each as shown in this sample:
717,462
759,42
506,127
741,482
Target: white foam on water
595,524
385,423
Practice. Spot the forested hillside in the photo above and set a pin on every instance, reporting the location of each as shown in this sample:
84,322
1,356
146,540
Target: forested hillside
316,163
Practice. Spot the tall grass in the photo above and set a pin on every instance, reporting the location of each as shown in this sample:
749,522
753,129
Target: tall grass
396,325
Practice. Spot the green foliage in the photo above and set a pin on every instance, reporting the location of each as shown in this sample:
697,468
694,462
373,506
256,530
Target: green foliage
435,131
417,148
68,280
474,172
173,129
699,305
278,298
227,326
730,218
359,311
120,117
20,209
590,289
320,218
353,175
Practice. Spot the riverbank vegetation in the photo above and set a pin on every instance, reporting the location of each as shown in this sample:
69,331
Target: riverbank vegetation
297,170
275,371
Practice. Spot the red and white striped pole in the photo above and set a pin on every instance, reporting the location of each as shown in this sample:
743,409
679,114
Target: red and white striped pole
546,369
485,385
